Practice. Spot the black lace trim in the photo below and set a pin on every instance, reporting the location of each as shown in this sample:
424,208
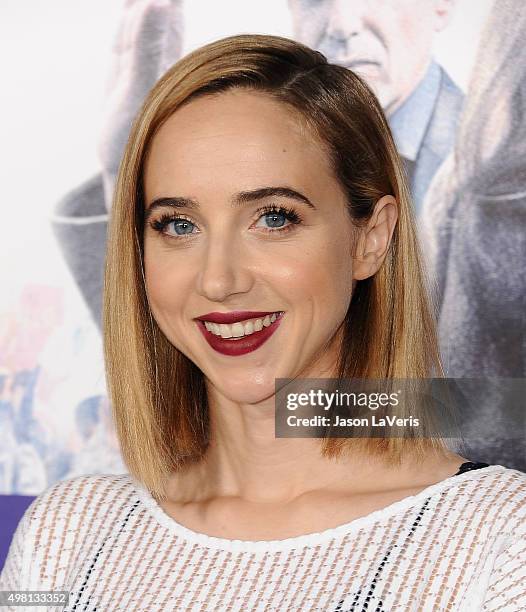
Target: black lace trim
471,465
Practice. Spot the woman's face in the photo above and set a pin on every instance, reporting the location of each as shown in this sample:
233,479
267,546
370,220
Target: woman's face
236,232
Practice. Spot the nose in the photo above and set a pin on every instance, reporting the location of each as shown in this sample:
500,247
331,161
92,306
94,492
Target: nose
224,271
346,19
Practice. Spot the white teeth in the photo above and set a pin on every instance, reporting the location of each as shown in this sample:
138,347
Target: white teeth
225,331
240,328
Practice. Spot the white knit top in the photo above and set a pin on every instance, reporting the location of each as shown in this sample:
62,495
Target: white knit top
458,545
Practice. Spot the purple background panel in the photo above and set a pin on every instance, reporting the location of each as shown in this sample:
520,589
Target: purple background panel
12,508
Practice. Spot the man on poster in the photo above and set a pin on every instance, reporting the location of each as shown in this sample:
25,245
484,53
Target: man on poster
389,43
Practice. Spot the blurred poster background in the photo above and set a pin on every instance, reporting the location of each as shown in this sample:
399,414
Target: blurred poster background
74,75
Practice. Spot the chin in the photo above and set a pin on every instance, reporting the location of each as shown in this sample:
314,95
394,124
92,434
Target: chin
246,390
249,398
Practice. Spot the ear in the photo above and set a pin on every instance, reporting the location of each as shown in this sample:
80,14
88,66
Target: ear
373,240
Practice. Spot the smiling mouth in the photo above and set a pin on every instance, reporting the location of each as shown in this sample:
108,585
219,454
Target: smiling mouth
241,329
241,337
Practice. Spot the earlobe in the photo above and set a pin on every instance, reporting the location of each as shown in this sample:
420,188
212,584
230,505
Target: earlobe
375,238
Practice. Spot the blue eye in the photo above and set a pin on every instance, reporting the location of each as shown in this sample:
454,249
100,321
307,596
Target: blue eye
182,224
275,218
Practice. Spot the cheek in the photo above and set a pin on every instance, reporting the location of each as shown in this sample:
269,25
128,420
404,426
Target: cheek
323,277
166,284
336,279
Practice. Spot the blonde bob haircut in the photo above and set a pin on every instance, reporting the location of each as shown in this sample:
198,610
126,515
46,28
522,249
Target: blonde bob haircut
158,395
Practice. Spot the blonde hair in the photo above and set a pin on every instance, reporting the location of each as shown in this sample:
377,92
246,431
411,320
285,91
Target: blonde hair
158,395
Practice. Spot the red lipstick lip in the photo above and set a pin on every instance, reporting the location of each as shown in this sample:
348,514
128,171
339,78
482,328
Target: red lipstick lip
234,317
239,346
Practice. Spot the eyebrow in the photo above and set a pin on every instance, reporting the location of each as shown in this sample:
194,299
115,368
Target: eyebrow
241,198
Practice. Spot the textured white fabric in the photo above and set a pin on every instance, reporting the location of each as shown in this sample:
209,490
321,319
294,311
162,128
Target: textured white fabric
457,545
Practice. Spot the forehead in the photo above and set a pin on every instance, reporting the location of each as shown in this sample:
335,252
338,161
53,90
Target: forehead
232,141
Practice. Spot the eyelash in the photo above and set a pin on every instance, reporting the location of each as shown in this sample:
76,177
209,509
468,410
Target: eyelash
290,214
